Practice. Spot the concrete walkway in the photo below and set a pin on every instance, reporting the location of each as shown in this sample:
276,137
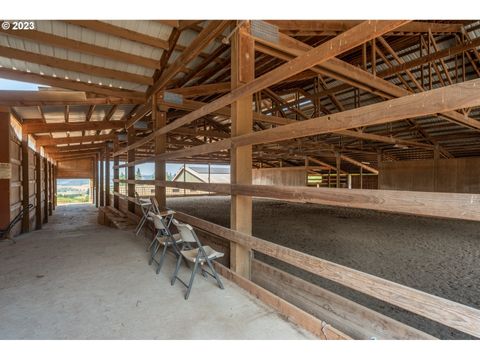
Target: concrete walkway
75,279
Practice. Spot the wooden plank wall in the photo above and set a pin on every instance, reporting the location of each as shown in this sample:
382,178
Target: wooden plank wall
75,169
368,182
280,176
460,175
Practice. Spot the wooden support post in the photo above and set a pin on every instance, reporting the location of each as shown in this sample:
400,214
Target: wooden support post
131,169
38,191
159,119
107,174
338,159
184,177
361,177
95,167
374,57
242,72
436,158
46,192
116,176
50,188
102,179
5,169
54,186
25,184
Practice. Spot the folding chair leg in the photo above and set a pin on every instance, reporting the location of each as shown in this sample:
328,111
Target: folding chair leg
190,283
162,257
153,253
177,267
219,282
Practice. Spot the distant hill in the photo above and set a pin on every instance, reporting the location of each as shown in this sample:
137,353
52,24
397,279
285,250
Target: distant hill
72,182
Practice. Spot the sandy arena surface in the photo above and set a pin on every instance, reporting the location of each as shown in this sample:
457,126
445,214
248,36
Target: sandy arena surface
441,257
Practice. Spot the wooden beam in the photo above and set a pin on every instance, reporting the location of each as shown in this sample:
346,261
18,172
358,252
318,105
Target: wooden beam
56,150
116,176
49,141
213,29
449,313
25,183
338,160
384,139
166,55
107,174
83,47
354,76
356,320
38,191
50,189
46,193
346,41
131,170
462,95
334,26
96,180
142,111
58,98
70,84
120,32
36,127
201,90
303,319
5,168
159,119
59,63
191,105
102,177
242,72
216,54
433,56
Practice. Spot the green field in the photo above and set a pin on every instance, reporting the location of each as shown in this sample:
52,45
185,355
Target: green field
70,199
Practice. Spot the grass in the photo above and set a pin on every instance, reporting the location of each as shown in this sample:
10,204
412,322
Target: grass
66,199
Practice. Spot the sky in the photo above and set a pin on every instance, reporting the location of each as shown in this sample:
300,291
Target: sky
17,85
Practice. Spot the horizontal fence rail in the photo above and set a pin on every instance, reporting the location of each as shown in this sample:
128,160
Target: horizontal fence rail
442,205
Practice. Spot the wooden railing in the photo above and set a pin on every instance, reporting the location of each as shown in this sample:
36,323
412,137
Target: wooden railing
443,311
443,205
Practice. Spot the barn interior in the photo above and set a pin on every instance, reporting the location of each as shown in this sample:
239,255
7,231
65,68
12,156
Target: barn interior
350,204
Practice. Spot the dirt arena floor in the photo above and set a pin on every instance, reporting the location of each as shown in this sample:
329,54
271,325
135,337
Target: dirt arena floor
440,257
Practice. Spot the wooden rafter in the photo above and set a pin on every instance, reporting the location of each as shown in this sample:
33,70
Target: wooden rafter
348,40
196,46
83,47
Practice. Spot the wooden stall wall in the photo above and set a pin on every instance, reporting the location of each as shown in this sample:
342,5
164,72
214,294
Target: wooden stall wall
460,175
75,169
15,180
369,181
280,176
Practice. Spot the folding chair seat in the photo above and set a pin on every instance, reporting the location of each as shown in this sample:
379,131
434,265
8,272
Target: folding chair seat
199,256
163,237
156,209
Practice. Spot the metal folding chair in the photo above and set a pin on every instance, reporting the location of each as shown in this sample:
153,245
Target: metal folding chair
145,206
167,214
163,237
199,256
